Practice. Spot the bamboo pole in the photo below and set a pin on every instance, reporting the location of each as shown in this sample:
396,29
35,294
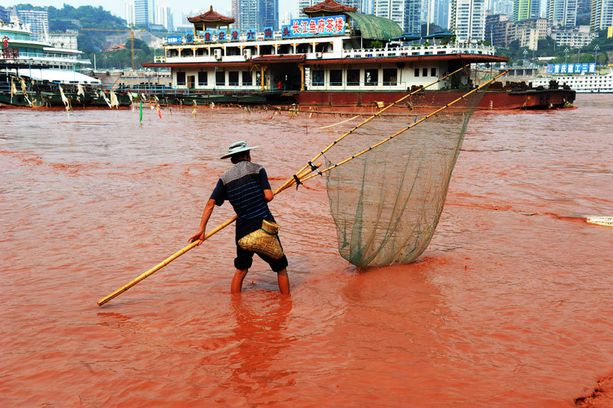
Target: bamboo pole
290,182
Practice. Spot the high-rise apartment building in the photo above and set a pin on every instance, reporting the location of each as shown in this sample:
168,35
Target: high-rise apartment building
441,13
404,12
129,13
5,16
164,17
502,7
245,14
367,7
526,9
498,30
38,22
467,19
268,14
602,15
144,12
255,14
562,13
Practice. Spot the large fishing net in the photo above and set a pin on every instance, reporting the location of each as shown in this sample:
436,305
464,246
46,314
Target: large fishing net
386,203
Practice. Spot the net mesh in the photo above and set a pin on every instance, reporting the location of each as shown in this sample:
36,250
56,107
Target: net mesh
386,203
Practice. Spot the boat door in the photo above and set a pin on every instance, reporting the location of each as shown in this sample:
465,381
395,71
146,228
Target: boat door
191,81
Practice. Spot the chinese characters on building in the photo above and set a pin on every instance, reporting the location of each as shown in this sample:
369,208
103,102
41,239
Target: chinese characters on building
304,27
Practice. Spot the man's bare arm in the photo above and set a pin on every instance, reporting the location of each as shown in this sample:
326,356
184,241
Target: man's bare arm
206,214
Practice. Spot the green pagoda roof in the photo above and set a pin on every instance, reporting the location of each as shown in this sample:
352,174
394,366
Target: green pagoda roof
376,28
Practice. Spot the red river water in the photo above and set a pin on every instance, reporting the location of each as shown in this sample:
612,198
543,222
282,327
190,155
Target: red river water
510,306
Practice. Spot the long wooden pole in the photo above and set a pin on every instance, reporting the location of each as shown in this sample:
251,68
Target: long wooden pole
290,182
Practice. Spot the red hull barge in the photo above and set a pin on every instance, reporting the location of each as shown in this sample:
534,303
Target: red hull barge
492,100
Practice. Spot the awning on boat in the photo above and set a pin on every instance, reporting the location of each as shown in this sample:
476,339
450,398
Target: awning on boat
376,28
58,75
279,59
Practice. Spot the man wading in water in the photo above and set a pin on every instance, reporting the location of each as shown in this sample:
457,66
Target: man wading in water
247,188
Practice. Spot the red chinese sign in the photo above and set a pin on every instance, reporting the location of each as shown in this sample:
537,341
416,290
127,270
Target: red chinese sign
307,27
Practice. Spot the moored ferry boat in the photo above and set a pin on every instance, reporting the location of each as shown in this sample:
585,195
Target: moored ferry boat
32,72
581,83
335,57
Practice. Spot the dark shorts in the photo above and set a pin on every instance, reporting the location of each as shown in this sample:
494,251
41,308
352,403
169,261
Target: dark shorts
244,259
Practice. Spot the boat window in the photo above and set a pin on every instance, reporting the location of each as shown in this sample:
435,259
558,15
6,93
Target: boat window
424,72
390,76
266,50
220,78
303,49
233,78
416,72
318,77
353,77
336,77
371,77
284,49
258,78
180,78
203,78
433,72
247,78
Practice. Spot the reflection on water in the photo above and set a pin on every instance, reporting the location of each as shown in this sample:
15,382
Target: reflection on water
263,340
509,306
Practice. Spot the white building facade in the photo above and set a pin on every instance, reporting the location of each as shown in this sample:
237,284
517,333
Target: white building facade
38,21
562,13
67,40
467,20
577,37
164,17
406,13
602,14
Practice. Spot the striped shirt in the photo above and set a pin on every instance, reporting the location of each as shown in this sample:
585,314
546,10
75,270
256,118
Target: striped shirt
243,185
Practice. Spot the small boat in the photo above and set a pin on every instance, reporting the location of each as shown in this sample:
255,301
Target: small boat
606,221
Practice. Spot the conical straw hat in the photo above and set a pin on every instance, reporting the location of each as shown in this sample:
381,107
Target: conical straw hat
263,241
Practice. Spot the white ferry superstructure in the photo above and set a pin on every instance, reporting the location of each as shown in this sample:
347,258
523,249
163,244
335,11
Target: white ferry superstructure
581,83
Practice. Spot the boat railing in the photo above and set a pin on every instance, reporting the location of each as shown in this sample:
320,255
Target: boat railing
419,50
43,56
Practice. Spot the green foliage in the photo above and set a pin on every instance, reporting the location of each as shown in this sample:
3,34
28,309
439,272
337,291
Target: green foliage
76,18
546,46
138,44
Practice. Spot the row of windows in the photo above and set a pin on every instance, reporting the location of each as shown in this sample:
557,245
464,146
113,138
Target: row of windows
371,76
232,79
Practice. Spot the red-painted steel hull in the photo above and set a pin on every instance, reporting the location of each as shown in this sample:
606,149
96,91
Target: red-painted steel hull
496,100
